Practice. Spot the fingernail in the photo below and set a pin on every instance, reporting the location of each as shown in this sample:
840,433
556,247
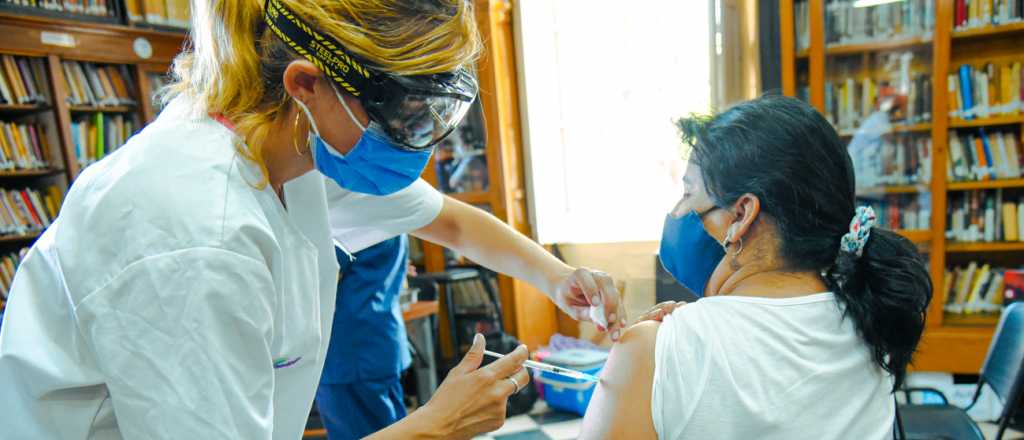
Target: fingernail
595,300
616,334
478,339
622,322
612,317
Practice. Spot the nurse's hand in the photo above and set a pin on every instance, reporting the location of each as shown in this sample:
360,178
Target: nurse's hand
472,400
583,288
660,311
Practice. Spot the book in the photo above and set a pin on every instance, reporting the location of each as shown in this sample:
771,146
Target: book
984,215
98,84
969,14
980,154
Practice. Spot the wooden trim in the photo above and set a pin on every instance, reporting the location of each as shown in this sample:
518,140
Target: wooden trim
19,237
940,65
93,41
892,189
23,108
985,122
901,43
816,12
62,115
953,349
102,109
787,45
1011,246
987,184
473,197
916,235
145,101
988,30
30,173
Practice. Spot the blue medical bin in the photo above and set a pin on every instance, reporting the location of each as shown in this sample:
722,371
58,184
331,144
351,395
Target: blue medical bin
566,393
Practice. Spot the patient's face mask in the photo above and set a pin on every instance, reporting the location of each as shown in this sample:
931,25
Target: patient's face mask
688,252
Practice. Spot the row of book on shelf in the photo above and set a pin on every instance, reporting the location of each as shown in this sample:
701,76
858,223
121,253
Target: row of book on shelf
984,155
23,146
984,216
901,211
101,8
8,265
980,13
98,84
900,159
28,210
174,13
849,101
990,89
98,134
23,80
848,22
981,288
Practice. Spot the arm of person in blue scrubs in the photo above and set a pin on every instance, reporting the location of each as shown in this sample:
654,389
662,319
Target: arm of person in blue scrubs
488,241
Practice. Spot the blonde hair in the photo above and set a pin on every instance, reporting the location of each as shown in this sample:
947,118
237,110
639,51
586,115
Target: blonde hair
234,66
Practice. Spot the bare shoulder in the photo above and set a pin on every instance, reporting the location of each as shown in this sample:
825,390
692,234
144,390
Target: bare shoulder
620,407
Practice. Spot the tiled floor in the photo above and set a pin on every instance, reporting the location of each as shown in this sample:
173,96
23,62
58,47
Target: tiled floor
542,423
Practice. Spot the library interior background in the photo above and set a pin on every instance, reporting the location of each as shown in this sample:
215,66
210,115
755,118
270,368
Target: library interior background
572,142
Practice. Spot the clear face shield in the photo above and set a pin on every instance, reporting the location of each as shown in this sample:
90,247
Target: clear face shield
416,112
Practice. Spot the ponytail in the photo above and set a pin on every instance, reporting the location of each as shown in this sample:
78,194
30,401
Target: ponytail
885,292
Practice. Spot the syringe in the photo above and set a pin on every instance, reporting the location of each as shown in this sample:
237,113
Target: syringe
551,368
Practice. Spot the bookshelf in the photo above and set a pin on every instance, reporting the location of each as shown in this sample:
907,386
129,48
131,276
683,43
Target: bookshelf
120,99
953,342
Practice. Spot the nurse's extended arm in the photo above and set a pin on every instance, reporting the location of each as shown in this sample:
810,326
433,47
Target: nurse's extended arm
486,240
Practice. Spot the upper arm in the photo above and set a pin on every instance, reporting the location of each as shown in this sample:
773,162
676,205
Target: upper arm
359,221
620,406
183,342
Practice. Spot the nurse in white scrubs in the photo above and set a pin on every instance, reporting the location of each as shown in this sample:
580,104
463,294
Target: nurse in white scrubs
186,290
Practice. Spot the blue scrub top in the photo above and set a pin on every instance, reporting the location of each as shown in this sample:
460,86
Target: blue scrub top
368,341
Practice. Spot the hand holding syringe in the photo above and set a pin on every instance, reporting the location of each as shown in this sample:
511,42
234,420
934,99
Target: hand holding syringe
551,368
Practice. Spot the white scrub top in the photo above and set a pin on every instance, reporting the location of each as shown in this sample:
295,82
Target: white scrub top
174,299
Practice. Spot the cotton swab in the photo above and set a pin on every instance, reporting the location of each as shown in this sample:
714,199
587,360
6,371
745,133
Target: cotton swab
551,368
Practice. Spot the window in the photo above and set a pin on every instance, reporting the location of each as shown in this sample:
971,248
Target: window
601,86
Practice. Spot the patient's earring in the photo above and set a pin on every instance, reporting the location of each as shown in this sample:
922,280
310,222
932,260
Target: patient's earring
295,130
733,263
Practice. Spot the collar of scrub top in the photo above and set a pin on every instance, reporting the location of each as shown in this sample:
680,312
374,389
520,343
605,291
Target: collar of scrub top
416,111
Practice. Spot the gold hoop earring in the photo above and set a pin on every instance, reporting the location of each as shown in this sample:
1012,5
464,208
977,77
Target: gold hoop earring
295,131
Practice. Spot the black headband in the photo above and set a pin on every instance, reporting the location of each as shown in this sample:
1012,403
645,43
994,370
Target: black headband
326,53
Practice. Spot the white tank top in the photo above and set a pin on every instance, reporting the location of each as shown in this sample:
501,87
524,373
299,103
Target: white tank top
734,367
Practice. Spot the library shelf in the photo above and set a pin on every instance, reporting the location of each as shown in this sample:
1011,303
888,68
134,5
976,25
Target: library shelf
472,197
915,235
30,173
985,184
102,109
315,433
19,237
984,122
970,320
803,53
897,128
985,246
875,46
23,108
892,189
988,30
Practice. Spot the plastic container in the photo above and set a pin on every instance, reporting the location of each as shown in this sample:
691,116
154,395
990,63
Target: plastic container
566,393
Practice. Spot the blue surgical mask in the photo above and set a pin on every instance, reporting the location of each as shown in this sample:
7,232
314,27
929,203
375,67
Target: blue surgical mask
375,165
688,252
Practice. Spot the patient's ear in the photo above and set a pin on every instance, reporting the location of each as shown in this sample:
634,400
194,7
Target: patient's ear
747,209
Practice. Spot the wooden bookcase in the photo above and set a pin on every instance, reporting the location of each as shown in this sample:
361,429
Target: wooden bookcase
528,313
951,343
54,40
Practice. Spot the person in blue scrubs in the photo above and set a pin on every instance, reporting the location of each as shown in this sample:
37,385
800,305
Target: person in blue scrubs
360,390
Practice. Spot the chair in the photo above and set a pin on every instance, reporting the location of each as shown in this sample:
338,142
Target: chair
1001,371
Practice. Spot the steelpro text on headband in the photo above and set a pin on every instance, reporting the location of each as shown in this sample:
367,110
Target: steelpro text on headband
417,111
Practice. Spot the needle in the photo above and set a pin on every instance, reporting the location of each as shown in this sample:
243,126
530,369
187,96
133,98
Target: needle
551,368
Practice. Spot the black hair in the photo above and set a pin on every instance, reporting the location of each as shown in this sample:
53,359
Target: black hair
786,154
